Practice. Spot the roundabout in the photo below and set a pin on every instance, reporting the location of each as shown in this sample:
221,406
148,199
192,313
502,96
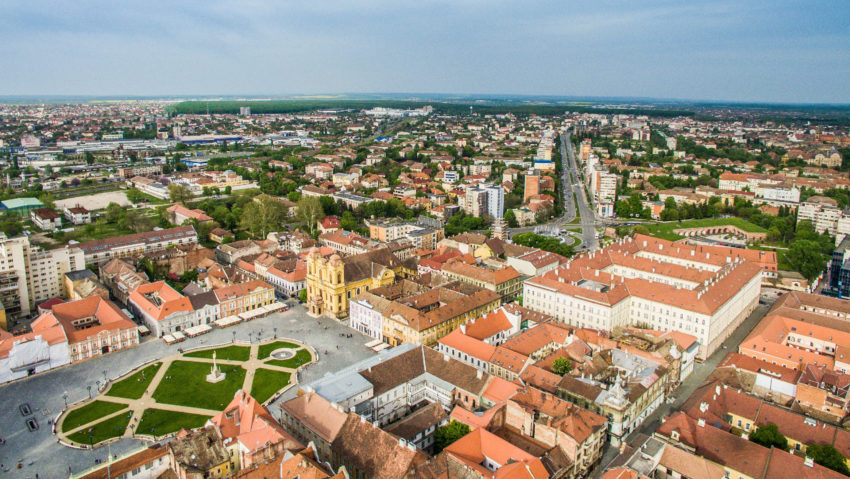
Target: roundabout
182,391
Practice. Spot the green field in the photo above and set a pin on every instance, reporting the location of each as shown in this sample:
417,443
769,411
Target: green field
133,387
665,230
229,353
302,357
90,412
102,431
187,385
265,350
268,382
158,422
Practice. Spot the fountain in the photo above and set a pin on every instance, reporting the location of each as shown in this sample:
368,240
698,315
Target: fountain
215,374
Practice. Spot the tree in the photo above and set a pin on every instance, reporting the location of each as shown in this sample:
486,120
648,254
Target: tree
302,295
262,215
135,196
114,213
768,436
136,221
449,433
179,193
828,456
805,256
510,219
562,366
309,211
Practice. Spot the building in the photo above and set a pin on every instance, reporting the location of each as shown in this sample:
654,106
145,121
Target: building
46,219
409,313
347,440
703,291
83,283
145,463
250,433
495,201
93,326
77,215
21,206
101,251
331,282
802,329
121,279
30,275
69,332
161,308
179,214
242,297
506,282
200,454
822,211
532,185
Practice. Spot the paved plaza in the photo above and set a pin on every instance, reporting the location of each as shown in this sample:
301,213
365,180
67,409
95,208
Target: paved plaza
39,451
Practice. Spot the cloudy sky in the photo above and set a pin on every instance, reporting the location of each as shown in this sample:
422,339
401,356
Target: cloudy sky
774,51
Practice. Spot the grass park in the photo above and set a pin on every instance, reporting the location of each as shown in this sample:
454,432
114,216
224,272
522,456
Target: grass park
135,385
182,385
665,230
185,384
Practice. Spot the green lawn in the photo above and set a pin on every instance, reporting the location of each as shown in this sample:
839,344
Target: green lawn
665,230
188,385
266,349
268,382
134,386
302,357
102,431
167,422
231,353
89,413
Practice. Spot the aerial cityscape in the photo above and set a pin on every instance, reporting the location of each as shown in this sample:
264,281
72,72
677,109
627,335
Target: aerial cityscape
470,240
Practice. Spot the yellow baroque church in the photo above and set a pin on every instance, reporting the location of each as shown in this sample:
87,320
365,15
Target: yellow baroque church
331,282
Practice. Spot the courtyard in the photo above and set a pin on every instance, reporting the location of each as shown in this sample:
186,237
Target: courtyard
173,393
37,448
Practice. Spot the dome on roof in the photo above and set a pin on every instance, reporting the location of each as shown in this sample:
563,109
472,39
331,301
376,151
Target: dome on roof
335,260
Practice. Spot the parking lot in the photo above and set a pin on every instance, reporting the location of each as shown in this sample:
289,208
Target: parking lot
29,439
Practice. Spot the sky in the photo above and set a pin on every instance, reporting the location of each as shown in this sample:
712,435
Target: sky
771,51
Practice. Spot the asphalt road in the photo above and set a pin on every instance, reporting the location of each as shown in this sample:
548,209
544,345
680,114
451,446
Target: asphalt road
39,452
571,180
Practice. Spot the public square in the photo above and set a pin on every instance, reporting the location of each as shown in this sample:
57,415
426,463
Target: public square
39,451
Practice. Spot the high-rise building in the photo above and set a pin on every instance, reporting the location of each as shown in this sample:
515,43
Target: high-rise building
244,111
495,201
532,184
30,275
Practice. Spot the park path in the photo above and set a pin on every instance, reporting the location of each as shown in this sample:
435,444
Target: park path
137,407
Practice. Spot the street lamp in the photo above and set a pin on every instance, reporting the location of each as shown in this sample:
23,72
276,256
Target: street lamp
234,336
65,397
89,388
104,376
275,332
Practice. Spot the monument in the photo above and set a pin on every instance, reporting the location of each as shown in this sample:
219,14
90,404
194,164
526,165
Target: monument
215,374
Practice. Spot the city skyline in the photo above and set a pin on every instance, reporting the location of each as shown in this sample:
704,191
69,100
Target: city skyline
706,51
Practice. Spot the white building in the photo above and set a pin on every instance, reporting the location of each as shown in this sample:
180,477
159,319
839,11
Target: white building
366,314
495,201
703,291
30,275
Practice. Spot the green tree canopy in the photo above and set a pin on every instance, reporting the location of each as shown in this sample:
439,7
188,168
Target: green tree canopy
179,193
768,436
309,211
449,433
562,366
828,456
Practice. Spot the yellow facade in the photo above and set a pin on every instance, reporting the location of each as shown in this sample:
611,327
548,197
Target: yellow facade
328,292
397,331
